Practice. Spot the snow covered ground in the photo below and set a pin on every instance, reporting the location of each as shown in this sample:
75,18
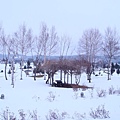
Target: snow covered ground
31,99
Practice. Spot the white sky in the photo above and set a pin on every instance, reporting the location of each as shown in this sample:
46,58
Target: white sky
70,17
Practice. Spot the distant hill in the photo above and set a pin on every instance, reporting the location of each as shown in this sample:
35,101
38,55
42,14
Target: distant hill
31,58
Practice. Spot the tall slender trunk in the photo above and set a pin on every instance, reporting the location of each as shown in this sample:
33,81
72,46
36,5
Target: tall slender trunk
67,78
6,61
47,81
35,69
71,75
109,71
21,68
21,74
45,61
52,78
12,69
44,74
89,77
60,74
64,77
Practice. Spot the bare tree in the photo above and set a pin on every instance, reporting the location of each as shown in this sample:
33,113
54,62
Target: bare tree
23,36
4,48
3,42
89,45
110,47
31,41
52,43
7,49
38,51
72,67
12,46
51,68
64,47
48,40
44,36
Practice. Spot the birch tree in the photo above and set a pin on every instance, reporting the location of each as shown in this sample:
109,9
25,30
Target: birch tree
110,47
13,51
49,39
23,36
3,42
38,51
64,47
7,52
52,44
89,45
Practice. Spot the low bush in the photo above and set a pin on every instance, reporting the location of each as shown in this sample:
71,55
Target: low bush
51,97
101,93
56,115
99,113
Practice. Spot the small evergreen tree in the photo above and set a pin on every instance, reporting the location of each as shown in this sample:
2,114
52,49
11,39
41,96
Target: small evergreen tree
112,68
117,66
118,71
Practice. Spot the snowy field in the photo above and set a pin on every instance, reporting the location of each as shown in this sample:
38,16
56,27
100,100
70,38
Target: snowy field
35,100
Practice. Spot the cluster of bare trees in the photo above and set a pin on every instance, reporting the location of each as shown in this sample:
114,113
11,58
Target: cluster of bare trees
23,42
67,68
93,43
47,42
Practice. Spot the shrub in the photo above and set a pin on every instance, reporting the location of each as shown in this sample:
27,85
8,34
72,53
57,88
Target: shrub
55,115
118,71
111,90
2,96
117,91
101,93
22,114
33,115
7,115
82,94
99,113
25,67
9,72
91,93
76,95
51,96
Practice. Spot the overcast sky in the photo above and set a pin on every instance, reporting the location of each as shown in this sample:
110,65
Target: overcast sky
70,17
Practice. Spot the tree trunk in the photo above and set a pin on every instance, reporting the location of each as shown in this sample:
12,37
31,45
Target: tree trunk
12,68
67,78
6,68
60,74
109,71
89,77
71,76
44,74
52,78
35,74
21,69
64,77
21,74
47,81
